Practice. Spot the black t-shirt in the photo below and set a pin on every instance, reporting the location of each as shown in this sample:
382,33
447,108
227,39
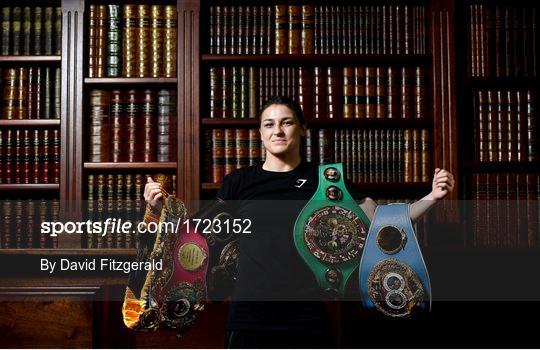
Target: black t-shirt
275,288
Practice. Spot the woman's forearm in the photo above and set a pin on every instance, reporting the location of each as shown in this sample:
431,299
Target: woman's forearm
420,207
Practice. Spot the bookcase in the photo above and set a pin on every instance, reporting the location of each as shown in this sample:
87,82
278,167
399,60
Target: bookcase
390,88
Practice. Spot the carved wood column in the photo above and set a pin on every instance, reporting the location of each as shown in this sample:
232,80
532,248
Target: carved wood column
188,102
72,114
445,140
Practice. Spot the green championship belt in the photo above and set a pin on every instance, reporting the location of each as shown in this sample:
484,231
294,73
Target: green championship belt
331,230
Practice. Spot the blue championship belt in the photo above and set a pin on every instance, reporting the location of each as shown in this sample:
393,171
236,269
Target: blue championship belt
330,231
393,276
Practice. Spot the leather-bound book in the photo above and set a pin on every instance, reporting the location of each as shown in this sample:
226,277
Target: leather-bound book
7,224
406,92
133,116
25,156
253,96
26,31
501,129
55,156
10,90
118,127
295,29
32,93
18,223
532,139
212,31
233,31
92,32
320,92
511,111
42,216
129,36
492,125
215,93
21,98
348,92
48,31
420,97
243,29
244,92
424,156
156,38
6,30
242,148
400,20
47,91
99,144
254,146
236,92
45,157
101,41
37,25
92,206
230,150
305,91
393,101
417,155
114,42
281,29
408,145
481,126
170,41
16,31
167,121
218,155
371,92
226,91
57,111
360,92
354,157
57,48
143,41
149,126
226,33
36,156
310,152
218,42
381,81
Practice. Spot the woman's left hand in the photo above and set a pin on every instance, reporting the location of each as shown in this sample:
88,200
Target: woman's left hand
443,183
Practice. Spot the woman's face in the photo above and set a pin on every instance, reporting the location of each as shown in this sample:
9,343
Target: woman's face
281,131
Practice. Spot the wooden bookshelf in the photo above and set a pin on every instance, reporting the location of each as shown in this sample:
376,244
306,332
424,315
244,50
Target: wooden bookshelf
29,187
319,59
130,81
30,59
130,166
29,122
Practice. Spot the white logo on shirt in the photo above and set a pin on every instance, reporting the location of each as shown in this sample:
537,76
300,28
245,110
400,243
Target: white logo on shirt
300,183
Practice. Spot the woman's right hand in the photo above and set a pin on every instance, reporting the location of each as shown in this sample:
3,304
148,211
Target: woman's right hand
153,195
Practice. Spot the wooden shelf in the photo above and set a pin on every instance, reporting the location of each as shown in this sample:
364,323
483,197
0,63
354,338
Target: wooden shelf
386,187
501,166
29,187
372,122
316,59
36,59
29,122
127,166
128,81
502,82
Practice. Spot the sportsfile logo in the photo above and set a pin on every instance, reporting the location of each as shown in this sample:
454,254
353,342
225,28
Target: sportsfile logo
300,183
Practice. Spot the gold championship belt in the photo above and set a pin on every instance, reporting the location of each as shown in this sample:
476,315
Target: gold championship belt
173,296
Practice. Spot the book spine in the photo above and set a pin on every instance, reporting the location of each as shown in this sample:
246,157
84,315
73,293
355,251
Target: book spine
6,30
117,127
57,31
254,146
57,111
406,93
308,30
380,87
143,42
280,28
16,31
295,29
242,148
48,31
408,170
360,92
371,92
133,114
92,34
532,141
420,93
348,92
230,150
26,31
47,93
129,36
114,42
99,126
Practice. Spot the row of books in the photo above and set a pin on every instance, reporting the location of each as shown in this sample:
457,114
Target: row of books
21,223
31,30
119,196
369,156
29,156
505,125
31,93
373,156
308,29
505,210
502,40
132,40
323,92
132,126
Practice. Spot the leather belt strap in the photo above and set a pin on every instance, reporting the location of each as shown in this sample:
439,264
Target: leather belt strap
392,275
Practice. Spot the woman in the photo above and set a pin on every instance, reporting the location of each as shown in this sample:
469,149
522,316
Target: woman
274,302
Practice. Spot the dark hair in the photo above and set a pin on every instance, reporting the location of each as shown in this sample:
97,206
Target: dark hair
284,101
